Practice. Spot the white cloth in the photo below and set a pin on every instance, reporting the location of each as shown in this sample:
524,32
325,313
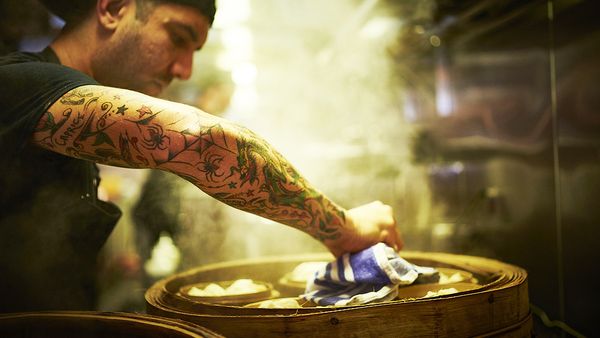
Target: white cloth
371,275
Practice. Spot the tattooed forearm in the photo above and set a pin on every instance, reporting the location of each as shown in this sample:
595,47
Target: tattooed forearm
225,160
265,183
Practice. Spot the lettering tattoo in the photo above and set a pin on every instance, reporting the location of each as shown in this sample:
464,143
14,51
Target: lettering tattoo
227,161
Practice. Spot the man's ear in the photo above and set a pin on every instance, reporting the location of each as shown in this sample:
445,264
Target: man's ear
111,12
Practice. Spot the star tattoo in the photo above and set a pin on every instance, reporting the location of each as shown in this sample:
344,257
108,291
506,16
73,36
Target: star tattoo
121,110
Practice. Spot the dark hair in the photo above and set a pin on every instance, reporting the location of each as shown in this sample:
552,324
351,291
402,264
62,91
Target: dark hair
74,11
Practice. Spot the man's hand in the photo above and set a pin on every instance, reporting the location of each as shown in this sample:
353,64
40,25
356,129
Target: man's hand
367,225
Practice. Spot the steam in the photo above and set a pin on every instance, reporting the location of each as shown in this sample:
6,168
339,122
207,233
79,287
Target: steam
317,80
322,90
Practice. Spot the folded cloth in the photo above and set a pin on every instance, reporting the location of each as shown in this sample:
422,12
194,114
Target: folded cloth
371,275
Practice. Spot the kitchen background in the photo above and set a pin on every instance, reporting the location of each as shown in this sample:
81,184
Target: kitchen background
478,121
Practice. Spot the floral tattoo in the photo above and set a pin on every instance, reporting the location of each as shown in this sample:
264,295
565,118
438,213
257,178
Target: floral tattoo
227,161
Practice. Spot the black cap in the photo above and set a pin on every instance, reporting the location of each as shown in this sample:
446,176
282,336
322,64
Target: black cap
71,11
206,7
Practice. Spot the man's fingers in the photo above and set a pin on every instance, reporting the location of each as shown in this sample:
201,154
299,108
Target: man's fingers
392,235
398,239
393,238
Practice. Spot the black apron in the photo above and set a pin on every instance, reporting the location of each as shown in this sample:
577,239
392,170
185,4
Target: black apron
51,257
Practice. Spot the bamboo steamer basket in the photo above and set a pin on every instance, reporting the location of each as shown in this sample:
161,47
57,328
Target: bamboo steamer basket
498,305
73,324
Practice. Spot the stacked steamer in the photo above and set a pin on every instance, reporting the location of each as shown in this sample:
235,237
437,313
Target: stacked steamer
491,299
97,325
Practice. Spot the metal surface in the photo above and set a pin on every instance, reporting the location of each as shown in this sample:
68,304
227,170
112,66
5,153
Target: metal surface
513,160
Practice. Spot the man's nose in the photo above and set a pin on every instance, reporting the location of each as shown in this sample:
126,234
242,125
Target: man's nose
182,66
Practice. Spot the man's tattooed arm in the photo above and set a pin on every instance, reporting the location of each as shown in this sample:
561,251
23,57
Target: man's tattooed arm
229,162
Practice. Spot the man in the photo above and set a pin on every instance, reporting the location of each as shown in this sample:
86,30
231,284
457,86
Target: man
88,99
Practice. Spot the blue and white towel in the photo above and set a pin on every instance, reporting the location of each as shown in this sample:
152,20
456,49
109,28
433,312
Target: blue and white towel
371,275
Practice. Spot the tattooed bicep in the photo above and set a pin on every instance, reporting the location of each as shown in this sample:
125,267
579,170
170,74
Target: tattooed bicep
123,128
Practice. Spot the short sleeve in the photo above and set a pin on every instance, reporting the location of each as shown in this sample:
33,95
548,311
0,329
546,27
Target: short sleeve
28,89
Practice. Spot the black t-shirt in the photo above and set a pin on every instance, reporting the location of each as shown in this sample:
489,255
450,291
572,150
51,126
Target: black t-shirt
51,224
31,83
